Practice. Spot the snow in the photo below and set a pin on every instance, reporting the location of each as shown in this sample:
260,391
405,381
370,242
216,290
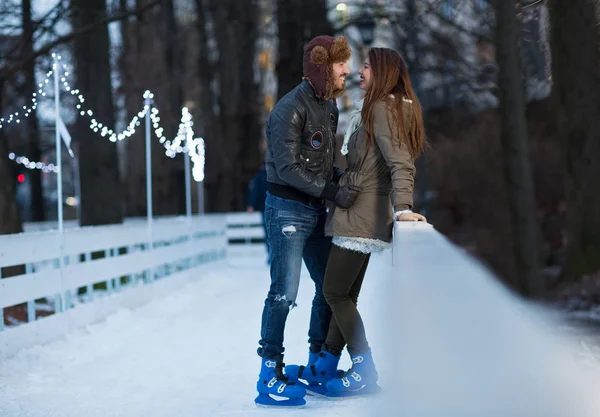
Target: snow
442,350
191,354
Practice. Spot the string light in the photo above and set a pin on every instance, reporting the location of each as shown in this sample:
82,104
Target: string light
172,147
194,146
27,110
95,125
22,160
184,141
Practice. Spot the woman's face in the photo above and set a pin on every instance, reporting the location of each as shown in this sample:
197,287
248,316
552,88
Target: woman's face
366,77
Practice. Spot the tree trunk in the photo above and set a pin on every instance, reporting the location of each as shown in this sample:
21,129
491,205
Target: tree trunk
167,179
101,194
207,101
574,45
412,56
223,11
232,134
517,167
33,149
250,108
136,75
298,21
9,213
238,98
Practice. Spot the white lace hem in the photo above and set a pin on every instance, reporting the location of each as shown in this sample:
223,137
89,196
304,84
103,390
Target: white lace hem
361,244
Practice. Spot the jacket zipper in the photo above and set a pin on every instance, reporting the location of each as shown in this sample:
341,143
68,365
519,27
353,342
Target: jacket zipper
328,130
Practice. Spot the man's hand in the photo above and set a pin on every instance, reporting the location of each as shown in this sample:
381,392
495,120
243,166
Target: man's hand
411,217
346,196
250,209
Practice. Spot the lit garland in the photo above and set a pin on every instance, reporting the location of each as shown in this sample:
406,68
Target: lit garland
94,124
184,141
22,160
16,116
193,146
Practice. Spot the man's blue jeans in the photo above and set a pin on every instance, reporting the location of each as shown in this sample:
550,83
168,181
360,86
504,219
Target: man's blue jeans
295,232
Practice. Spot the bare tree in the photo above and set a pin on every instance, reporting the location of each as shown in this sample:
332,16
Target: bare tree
298,21
9,214
101,195
168,176
34,152
574,43
46,26
517,166
229,98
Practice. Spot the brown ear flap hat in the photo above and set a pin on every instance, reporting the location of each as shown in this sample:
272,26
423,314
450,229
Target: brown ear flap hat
319,56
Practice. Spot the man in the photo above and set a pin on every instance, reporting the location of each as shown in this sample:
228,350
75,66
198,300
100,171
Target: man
301,177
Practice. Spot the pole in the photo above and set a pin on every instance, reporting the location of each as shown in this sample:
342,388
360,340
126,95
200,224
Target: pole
188,186
147,106
77,186
201,197
187,263
59,200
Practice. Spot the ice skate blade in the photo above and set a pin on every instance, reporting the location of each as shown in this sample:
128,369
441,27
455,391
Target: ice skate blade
365,391
267,401
312,390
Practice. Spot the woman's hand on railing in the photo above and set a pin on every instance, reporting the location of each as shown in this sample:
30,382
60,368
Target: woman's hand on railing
411,217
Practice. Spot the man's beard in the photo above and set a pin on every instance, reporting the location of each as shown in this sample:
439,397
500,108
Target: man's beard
332,91
337,92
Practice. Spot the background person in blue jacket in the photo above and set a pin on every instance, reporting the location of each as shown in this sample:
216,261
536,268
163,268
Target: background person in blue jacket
257,193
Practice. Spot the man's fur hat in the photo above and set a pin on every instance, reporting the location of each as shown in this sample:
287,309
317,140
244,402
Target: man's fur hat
319,56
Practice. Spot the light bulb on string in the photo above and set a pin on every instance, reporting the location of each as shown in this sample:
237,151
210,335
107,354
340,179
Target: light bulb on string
96,126
184,141
27,109
22,160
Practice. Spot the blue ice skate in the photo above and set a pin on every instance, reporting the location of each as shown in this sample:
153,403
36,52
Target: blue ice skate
321,368
273,387
361,379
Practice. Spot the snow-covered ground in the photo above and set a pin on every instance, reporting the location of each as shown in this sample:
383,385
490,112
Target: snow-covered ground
192,354
446,345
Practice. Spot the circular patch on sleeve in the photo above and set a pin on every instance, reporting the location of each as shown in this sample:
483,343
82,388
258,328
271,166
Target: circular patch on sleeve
332,117
316,140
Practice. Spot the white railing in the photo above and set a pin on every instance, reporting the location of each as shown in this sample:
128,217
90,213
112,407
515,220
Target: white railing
99,262
461,344
245,234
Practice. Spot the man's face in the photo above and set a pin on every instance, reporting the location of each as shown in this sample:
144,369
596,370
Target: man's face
340,71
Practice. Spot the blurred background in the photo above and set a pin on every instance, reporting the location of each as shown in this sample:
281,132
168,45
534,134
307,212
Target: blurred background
510,92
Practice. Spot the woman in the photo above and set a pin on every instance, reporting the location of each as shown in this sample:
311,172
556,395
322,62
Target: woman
382,144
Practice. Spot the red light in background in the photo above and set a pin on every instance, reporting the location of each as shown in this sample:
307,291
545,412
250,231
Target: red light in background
21,177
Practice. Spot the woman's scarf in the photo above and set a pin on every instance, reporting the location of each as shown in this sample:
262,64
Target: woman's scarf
353,124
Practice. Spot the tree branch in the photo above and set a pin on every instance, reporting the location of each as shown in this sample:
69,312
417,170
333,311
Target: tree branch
58,8
10,69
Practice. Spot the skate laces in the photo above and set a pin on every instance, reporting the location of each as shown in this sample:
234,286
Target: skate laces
350,372
281,376
357,359
313,368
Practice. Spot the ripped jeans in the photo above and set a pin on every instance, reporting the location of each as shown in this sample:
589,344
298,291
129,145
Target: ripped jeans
295,232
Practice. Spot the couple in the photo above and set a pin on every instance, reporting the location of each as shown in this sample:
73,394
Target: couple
381,144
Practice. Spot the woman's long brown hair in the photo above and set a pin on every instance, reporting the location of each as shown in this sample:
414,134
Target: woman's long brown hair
390,77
